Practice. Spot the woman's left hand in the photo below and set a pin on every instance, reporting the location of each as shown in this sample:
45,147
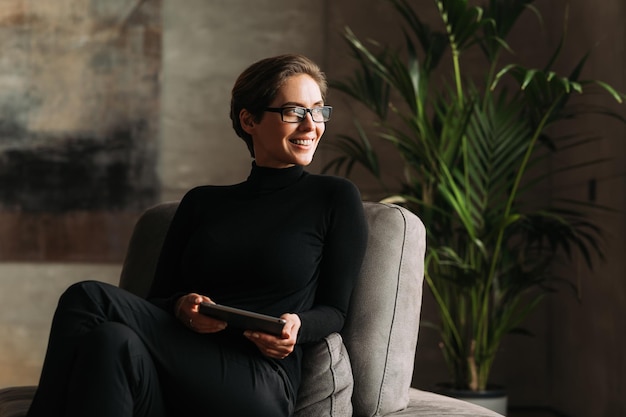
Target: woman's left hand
277,347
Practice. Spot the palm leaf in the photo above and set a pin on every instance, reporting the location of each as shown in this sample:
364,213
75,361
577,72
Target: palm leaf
352,151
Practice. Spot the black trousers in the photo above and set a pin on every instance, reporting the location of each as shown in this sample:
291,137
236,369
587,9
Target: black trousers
114,354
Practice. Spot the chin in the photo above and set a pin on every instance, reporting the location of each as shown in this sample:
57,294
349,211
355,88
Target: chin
303,161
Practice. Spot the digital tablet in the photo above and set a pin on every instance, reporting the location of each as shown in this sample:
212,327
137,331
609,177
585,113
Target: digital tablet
243,319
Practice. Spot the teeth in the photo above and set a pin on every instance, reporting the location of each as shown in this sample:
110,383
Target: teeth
302,141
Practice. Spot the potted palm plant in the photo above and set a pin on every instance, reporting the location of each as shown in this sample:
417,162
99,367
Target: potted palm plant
474,150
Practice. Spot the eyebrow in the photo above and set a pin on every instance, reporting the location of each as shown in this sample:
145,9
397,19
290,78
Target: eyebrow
295,104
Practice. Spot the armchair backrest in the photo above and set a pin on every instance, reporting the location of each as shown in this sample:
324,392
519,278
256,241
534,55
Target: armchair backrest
383,320
144,248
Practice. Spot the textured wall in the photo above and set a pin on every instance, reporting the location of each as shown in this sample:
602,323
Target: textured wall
28,297
206,46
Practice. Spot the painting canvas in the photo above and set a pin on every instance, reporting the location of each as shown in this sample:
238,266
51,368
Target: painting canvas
79,116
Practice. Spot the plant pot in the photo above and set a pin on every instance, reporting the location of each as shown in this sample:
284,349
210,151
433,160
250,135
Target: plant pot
494,398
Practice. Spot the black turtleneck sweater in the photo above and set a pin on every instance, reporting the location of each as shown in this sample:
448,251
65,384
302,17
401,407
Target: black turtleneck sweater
283,241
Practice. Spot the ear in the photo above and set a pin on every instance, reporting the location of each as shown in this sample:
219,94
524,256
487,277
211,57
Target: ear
247,121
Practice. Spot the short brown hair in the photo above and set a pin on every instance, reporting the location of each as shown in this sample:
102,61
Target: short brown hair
258,85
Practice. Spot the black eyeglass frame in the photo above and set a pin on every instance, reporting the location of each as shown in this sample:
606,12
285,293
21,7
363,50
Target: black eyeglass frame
306,110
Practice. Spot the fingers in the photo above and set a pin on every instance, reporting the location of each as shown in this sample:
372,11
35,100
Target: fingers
277,347
292,326
271,346
188,314
203,324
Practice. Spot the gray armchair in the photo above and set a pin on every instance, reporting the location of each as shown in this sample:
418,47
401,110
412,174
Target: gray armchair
364,371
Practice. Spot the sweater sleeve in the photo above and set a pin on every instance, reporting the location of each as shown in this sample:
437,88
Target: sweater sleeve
344,249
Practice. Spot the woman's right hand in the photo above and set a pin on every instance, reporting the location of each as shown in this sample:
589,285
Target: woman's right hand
187,311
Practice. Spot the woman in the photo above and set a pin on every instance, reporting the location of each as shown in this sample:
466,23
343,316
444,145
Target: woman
284,243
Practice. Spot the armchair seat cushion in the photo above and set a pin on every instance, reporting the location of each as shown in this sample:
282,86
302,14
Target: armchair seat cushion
429,404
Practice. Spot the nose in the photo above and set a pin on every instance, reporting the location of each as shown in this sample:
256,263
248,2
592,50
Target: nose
307,123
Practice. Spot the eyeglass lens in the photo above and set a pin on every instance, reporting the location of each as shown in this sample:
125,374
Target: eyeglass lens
297,114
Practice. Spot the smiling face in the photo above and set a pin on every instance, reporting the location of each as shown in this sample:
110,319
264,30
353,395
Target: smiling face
278,144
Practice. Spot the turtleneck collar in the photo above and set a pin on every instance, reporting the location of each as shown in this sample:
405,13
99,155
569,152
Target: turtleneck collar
263,178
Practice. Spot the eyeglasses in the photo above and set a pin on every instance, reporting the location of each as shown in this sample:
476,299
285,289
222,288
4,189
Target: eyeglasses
298,114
